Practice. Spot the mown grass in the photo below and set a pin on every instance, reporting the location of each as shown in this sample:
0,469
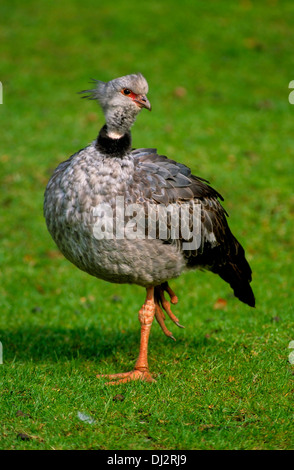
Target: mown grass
218,75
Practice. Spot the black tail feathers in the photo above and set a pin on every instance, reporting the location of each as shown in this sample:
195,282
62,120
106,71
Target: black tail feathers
241,286
236,271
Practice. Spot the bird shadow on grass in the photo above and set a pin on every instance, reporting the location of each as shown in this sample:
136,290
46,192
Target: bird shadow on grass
51,344
42,344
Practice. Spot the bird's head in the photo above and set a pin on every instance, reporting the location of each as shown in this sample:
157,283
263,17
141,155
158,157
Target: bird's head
121,100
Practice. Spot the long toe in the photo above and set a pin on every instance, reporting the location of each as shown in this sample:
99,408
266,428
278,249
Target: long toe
128,377
163,305
160,317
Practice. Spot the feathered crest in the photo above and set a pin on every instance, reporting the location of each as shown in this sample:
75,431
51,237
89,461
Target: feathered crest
92,94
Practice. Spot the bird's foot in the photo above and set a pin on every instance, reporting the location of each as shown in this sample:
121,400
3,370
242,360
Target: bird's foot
135,374
162,304
141,370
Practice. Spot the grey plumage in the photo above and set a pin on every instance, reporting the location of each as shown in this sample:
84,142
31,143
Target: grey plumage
109,168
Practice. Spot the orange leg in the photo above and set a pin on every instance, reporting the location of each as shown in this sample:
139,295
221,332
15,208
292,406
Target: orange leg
141,370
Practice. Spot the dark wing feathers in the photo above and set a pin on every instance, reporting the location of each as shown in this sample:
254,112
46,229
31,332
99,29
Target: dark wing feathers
172,182
164,181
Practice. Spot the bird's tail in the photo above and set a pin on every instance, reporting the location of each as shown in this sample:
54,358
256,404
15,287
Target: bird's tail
237,272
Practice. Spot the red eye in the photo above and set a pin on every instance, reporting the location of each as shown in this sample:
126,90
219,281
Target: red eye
129,93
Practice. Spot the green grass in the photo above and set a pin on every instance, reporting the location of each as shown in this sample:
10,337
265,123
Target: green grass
227,382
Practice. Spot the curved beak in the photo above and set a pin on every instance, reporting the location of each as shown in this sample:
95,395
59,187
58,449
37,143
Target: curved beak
143,102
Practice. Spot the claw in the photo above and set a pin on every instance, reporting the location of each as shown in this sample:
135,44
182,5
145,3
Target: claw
159,315
162,304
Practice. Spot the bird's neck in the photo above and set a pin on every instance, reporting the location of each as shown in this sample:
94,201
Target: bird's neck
113,144
119,120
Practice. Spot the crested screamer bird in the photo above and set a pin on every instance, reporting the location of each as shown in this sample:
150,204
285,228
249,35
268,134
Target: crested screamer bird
134,216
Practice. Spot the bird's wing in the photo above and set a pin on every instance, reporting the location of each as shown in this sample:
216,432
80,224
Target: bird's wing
161,181
173,181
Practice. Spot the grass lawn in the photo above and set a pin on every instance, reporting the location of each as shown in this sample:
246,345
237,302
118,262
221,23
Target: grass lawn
218,74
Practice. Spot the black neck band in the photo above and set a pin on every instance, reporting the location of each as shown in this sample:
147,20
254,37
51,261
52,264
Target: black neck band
113,147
